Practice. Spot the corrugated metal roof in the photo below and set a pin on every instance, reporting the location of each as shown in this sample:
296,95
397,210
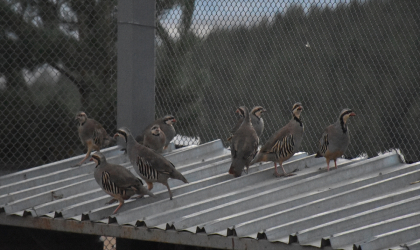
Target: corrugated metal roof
366,203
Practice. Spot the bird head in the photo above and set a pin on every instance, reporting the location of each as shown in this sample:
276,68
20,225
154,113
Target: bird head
257,111
297,109
241,111
169,119
98,158
81,117
122,132
156,130
345,114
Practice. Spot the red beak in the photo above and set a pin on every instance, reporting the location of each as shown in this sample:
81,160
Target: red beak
352,114
115,136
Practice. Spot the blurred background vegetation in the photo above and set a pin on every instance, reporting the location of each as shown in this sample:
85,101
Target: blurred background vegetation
58,57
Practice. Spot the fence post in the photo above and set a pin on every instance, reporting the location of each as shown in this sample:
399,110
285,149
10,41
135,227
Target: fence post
136,64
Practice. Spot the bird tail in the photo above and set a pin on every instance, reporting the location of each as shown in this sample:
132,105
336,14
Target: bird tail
109,141
318,155
149,193
143,190
177,175
257,158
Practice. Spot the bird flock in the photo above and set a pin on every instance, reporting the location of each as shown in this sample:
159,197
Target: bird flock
145,150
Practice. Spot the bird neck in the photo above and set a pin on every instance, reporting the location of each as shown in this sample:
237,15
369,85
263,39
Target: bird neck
130,141
258,118
298,120
247,119
343,125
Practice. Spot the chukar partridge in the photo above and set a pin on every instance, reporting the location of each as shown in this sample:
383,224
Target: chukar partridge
155,139
284,143
244,145
335,139
92,135
149,165
256,120
241,113
166,125
117,181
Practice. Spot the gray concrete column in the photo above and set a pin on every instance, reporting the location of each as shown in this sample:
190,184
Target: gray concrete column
136,64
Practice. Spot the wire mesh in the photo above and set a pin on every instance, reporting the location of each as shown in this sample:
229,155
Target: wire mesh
56,58
110,243
59,56
214,56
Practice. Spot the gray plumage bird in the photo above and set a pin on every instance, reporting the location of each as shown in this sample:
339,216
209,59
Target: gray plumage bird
244,145
149,165
166,125
117,181
256,120
155,139
92,135
335,139
284,143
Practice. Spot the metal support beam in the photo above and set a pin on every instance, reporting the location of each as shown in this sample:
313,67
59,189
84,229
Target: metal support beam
136,64
147,234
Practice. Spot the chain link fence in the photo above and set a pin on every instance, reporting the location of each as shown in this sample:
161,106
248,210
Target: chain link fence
59,56
213,56
56,57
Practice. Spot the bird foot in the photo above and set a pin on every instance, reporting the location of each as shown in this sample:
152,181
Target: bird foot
323,169
77,165
111,201
283,175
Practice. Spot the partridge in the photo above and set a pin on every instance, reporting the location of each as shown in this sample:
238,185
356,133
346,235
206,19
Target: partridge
241,113
92,135
284,143
149,165
166,125
155,139
117,181
335,139
256,120
244,145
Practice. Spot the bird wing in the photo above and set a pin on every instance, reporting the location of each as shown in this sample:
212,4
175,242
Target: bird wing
283,147
121,176
276,140
150,160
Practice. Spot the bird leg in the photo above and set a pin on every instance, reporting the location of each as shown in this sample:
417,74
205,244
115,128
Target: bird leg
169,190
247,169
328,165
90,147
149,185
335,162
111,201
276,174
121,203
